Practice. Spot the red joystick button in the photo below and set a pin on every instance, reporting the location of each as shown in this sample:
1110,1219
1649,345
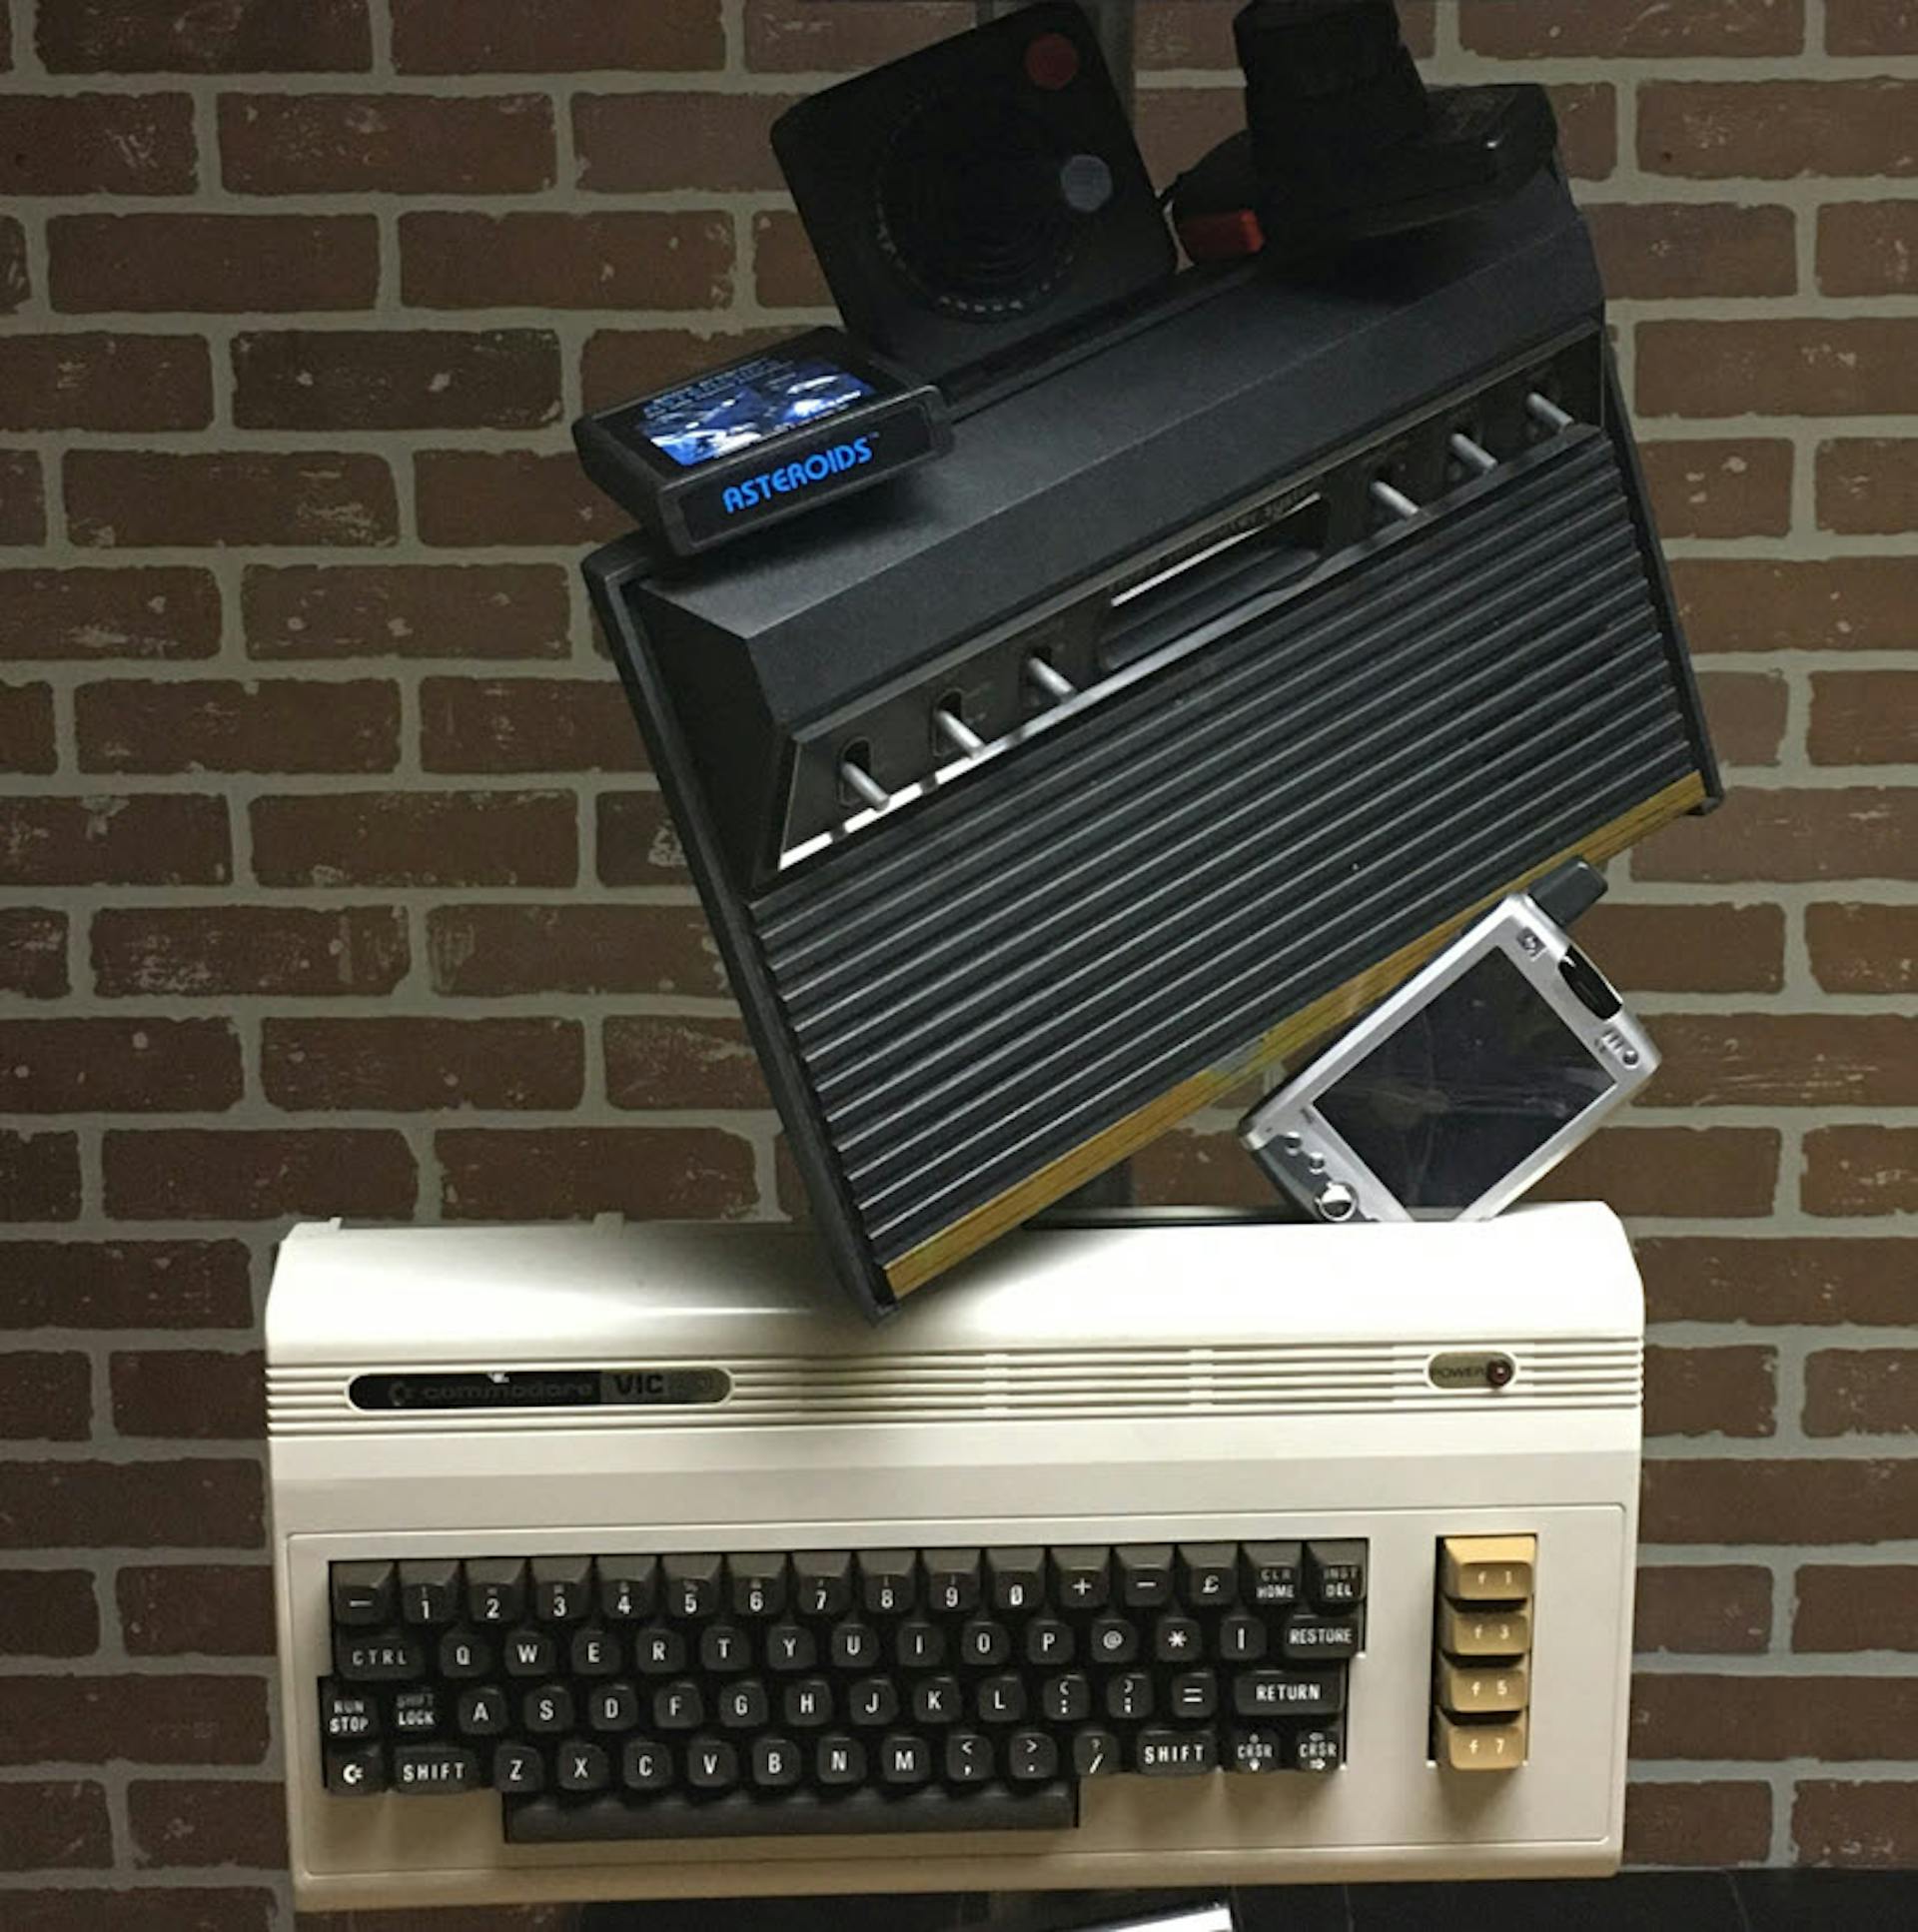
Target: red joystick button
1052,62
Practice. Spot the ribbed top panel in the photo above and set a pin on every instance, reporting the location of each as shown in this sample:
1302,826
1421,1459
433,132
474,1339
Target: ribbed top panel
986,982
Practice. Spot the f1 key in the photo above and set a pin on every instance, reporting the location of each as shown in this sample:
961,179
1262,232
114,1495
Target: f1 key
1487,1569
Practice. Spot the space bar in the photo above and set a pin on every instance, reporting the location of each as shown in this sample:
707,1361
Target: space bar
548,1821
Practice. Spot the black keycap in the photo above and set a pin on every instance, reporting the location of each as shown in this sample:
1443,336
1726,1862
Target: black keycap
920,1646
390,1658
679,1706
743,1814
904,1762
839,1761
1269,1575
790,1647
952,1580
807,1704
1095,1752
1166,1753
646,1765
1129,1696
657,1652
775,1763
1207,1575
1318,1640
1321,1747
873,1702
757,1585
429,1594
1067,1700
561,1589
1031,1757
464,1655
1145,1575
936,1700
1049,1642
888,1582
1193,1694
347,1716
424,1768
1081,1579
1241,1637
1115,1639
690,1586
1336,1573
613,1707
1289,1694
1255,1750
1015,1580
723,1650
984,1644
528,1654
416,1713
823,1582
481,1711
1177,1639
361,1594
593,1653
578,1766
712,1764
355,1771
854,1647
999,1700
744,1707
518,1769
548,1711
628,1587
495,1590
968,1758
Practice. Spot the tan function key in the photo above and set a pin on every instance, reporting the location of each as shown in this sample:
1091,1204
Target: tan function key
1487,1569
1471,1631
1482,1691
1480,1747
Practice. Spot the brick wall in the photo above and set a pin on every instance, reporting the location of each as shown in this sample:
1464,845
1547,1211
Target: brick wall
332,879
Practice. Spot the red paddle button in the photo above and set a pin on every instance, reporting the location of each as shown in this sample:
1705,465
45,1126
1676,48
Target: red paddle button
1052,62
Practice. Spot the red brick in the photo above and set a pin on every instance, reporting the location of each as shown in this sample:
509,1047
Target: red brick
33,952
126,1285
1724,1172
1865,718
96,144
1775,130
174,1908
785,272
476,496
146,1720
1179,126
1711,1391
1787,1060
23,503
237,37
215,262
1193,1168
119,499
1868,485
1860,1170
39,1176
206,1821
444,839
1779,367
527,724
204,1174
209,952
844,36
1868,248
122,612
1713,1609
1689,949
622,363
197,1504
407,610
47,1827
682,1062
1862,1391
26,728
47,1613
1868,1825
1588,128
1747,1500
1838,603
1724,1822
49,1396
546,261
1839,1719
570,1173
1821,1281
646,143
118,1066
559,37
439,379
1745,715
1726,487
1631,28
1871,26
195,1610
189,1394
104,382
1863,948
154,840
637,840
1856,1606
422,1065
135,726
571,949
1185,34
408,143
1851,832
15,282
1653,250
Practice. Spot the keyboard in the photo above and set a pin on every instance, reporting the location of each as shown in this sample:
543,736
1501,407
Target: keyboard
618,1562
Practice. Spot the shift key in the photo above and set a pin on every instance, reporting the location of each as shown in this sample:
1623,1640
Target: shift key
426,1768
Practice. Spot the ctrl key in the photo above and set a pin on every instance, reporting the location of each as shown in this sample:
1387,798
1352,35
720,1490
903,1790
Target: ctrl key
356,1773
428,1768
